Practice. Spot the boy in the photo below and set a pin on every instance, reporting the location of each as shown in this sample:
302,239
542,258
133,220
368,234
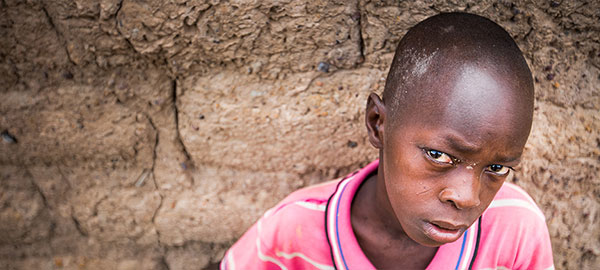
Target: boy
456,113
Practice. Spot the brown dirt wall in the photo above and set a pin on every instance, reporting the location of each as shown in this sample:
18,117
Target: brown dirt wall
152,134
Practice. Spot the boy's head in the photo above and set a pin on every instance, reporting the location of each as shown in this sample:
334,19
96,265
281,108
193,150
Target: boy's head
455,115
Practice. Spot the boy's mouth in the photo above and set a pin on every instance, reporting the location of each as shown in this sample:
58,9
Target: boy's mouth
448,226
444,232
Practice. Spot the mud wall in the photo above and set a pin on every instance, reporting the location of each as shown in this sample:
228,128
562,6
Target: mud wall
151,134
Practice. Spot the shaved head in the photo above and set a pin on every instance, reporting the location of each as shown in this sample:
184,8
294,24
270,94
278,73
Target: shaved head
446,53
455,116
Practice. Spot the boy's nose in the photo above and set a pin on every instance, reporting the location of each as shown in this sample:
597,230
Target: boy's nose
462,190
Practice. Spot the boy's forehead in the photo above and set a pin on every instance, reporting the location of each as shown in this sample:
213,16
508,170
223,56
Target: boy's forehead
476,101
477,94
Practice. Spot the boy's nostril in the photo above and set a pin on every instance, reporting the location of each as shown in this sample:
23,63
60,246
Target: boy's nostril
459,201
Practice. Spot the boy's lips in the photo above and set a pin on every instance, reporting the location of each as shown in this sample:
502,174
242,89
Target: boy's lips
444,232
448,226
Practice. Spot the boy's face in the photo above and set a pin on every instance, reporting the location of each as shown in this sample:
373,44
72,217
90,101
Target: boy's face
444,162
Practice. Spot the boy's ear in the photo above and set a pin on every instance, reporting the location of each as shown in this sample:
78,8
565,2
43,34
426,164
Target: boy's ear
374,120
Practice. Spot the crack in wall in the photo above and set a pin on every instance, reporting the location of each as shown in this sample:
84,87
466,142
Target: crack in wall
361,41
59,36
119,24
161,246
119,6
188,162
39,190
154,157
47,207
51,230
63,177
163,261
78,226
95,207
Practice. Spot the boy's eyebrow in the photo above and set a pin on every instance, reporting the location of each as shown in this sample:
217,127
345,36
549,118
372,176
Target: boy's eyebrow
460,144
515,160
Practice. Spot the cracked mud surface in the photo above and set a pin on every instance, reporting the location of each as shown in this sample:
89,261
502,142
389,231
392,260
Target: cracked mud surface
151,134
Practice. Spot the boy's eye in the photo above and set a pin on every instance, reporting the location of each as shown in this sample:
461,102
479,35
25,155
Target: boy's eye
499,169
438,156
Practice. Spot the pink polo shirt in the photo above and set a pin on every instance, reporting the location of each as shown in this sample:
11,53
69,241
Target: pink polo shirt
311,229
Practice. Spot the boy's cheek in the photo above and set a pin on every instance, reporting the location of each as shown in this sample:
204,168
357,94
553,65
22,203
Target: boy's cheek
400,155
493,184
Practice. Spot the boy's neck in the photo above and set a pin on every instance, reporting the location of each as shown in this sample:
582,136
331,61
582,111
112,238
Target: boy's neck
380,236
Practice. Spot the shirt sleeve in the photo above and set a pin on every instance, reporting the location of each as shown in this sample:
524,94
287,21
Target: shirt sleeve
251,251
289,236
535,250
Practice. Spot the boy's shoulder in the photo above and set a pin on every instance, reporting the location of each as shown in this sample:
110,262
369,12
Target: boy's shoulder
514,232
514,213
514,201
292,232
289,235
313,198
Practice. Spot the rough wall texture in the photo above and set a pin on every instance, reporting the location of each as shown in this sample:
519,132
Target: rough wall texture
151,134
